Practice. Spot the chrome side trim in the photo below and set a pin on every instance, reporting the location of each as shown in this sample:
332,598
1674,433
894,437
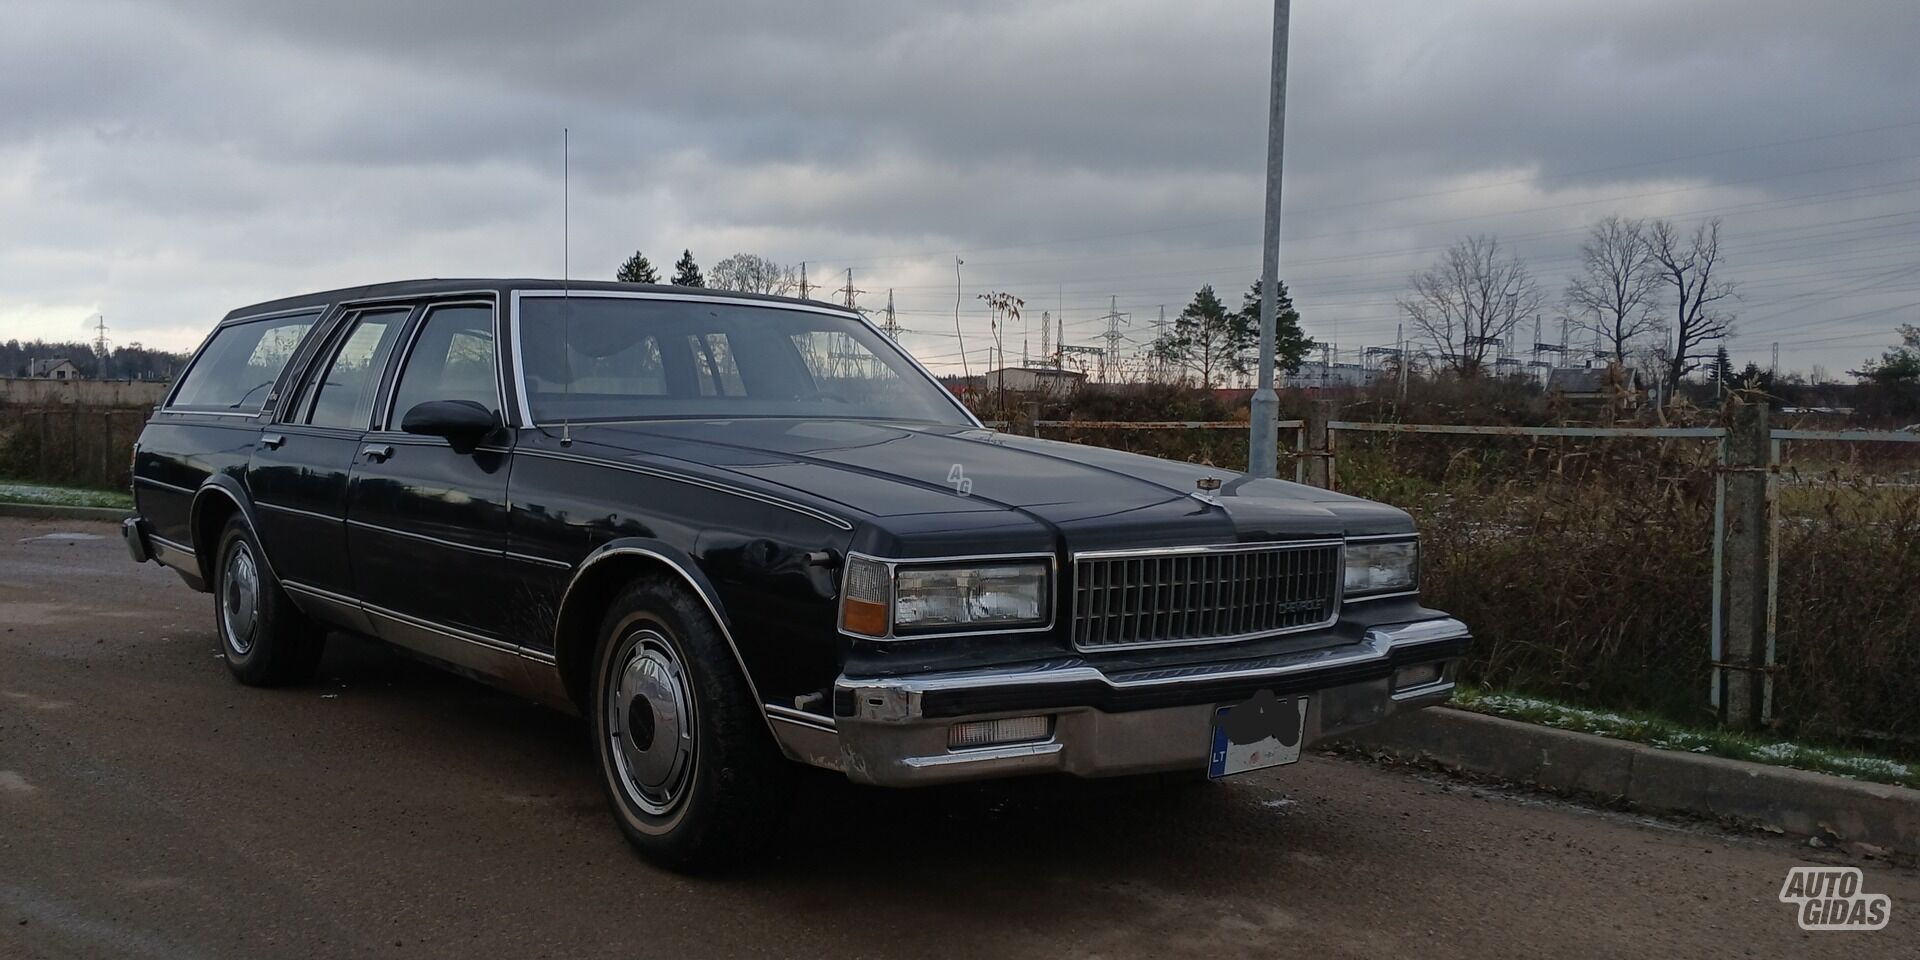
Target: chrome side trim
520,370
801,717
345,609
407,534
441,628
318,592
182,412
713,609
296,511
445,630
402,439
768,499
171,545
543,561
149,481
893,564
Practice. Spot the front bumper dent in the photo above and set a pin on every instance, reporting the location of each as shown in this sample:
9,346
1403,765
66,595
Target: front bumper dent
895,731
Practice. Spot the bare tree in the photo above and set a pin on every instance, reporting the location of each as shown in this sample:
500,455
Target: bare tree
751,273
1616,294
1470,301
1691,268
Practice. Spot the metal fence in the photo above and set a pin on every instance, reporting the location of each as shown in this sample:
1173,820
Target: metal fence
1743,658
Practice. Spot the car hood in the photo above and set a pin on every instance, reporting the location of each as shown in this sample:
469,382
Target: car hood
1097,496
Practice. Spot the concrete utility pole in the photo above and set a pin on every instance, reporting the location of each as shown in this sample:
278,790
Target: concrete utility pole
1745,657
1264,431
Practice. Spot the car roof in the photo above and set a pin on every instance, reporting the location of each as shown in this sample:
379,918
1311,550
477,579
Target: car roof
496,285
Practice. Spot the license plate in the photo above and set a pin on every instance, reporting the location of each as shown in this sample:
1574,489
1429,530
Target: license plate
1265,731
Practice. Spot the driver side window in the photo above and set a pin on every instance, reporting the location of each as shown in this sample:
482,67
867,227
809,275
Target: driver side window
452,359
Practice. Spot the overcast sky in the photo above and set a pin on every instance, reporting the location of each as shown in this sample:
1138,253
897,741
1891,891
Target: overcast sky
162,162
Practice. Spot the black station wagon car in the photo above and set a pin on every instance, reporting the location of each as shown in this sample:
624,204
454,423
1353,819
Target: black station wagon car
738,532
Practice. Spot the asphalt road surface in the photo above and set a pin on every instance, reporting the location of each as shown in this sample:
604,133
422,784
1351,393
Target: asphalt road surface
151,807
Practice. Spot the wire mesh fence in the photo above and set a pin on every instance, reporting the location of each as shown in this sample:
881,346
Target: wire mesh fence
1589,560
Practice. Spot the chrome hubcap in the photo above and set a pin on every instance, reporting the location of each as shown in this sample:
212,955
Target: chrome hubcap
649,722
240,598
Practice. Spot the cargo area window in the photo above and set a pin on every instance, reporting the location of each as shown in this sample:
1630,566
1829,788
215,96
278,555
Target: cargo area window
238,367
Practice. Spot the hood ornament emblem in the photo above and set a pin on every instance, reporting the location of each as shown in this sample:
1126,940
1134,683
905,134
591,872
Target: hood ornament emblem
1206,490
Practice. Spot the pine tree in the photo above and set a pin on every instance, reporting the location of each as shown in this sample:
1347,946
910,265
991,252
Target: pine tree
1290,344
1721,372
1207,338
637,269
686,273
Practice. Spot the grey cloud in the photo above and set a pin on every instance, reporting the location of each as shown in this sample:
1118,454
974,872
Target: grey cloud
166,161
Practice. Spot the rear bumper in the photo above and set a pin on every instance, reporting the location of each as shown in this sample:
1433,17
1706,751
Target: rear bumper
134,530
895,731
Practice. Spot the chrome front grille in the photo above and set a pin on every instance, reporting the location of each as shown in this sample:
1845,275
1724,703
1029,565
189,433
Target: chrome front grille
1203,595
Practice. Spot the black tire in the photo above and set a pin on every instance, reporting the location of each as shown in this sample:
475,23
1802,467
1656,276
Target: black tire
706,801
276,645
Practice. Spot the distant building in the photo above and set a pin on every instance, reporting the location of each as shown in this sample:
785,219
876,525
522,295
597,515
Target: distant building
53,368
1047,380
1612,389
1314,373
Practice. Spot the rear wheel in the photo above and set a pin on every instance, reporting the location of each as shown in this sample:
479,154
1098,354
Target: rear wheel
688,765
266,641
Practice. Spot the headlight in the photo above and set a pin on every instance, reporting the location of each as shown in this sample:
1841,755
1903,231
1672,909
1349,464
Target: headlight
883,600
1372,568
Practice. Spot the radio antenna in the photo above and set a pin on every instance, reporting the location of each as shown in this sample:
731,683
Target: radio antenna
566,281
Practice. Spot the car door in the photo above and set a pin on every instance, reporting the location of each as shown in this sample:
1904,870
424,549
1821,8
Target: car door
300,467
427,524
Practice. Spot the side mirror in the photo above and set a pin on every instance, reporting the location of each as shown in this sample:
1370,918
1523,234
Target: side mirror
461,422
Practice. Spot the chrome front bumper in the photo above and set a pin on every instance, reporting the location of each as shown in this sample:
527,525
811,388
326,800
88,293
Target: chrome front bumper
895,731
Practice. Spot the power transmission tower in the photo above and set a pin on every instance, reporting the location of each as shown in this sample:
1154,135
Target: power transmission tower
101,345
1046,337
892,324
1111,354
1159,362
849,292
805,287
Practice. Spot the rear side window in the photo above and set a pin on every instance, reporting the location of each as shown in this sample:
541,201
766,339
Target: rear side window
239,366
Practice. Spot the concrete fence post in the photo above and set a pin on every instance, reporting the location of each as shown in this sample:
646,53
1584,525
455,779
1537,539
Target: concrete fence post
1031,412
1319,451
1744,661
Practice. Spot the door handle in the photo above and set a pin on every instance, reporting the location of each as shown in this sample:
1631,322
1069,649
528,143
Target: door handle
377,452
272,441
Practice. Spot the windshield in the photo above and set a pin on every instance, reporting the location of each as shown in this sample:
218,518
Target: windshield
593,358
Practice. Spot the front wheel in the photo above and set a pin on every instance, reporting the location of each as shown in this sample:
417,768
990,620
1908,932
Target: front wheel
685,756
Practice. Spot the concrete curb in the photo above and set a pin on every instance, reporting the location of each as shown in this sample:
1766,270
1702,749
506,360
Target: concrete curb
1792,801
52,511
